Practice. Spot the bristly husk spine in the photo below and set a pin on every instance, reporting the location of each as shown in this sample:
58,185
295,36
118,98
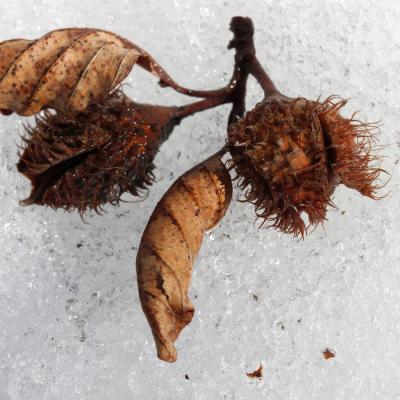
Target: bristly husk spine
354,143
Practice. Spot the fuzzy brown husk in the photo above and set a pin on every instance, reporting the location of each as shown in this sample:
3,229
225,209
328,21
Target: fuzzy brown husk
86,160
290,154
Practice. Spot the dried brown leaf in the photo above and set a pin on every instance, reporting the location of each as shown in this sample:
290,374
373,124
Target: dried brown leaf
195,203
66,69
328,353
257,374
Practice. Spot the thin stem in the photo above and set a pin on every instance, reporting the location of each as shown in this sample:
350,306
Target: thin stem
242,42
238,98
246,58
262,78
166,81
246,63
205,104
146,61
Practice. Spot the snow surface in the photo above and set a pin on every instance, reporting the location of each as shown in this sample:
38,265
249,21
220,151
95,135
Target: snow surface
71,326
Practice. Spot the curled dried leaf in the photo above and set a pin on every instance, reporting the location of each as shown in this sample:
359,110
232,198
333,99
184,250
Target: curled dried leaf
86,160
195,203
66,69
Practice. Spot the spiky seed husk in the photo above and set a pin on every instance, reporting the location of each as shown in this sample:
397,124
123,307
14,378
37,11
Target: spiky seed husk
86,160
289,156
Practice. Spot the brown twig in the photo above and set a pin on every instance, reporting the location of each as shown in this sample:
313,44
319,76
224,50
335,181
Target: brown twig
246,63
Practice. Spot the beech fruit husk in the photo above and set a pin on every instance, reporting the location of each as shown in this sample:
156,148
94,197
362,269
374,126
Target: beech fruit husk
83,161
290,154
